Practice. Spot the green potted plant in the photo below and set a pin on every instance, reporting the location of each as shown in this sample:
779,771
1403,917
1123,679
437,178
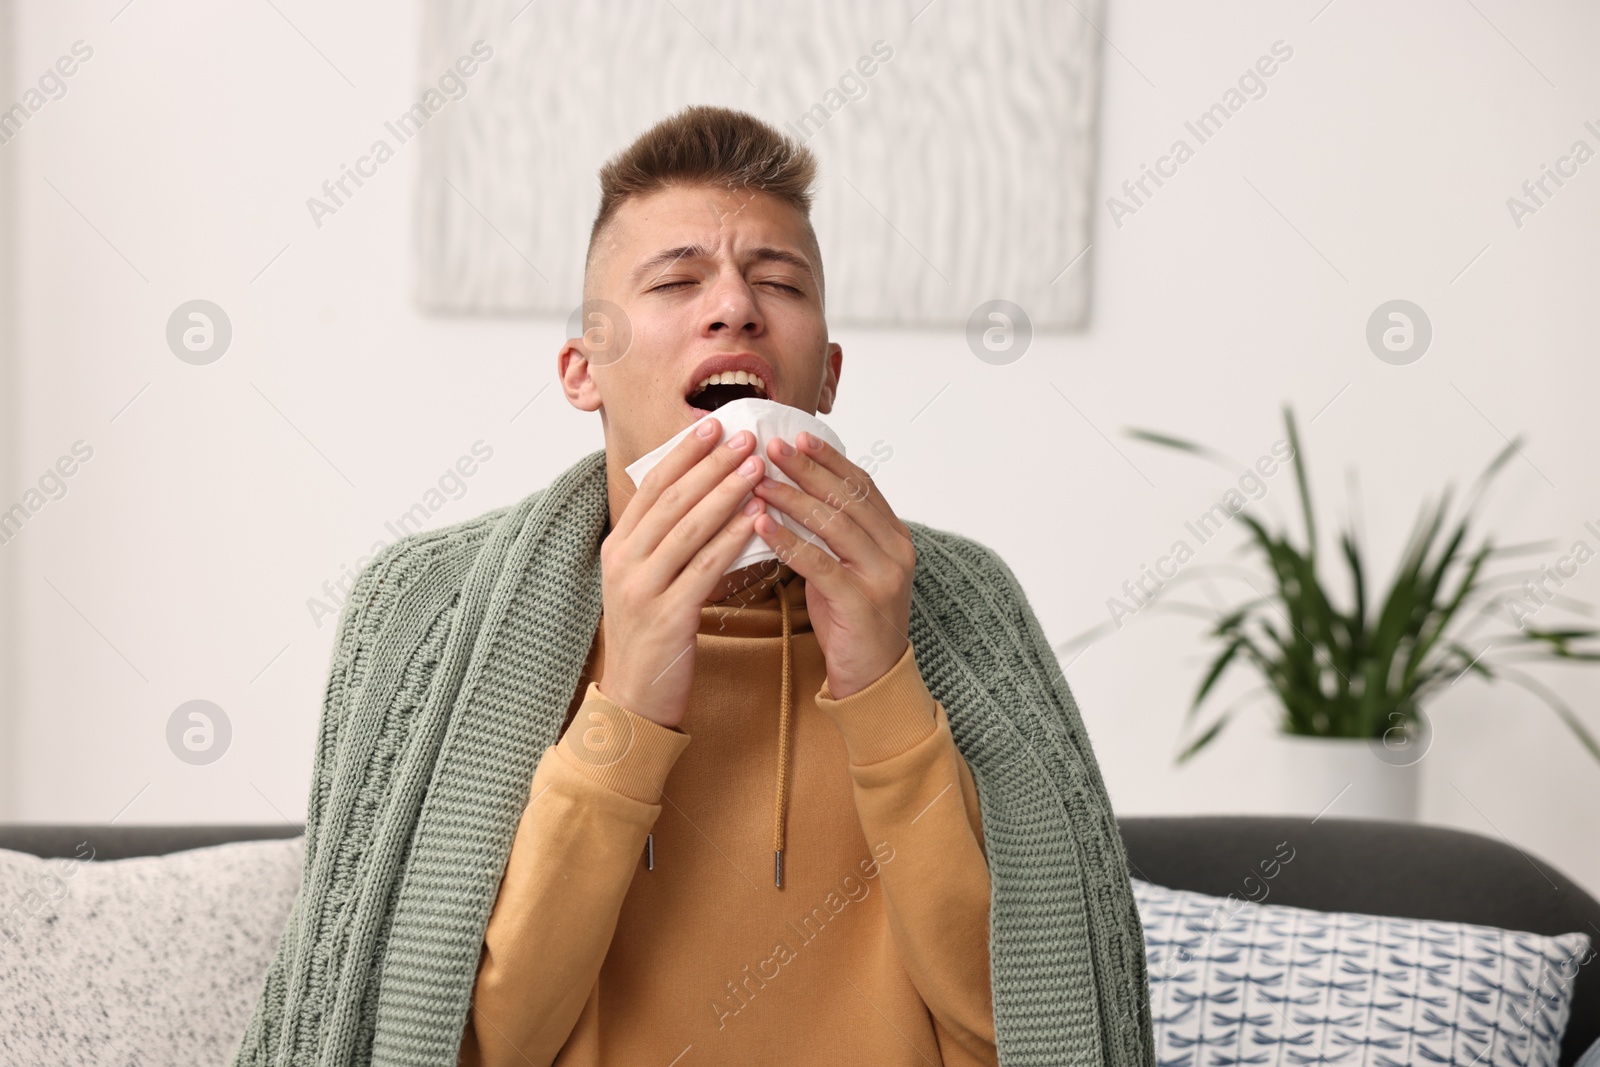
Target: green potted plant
1357,675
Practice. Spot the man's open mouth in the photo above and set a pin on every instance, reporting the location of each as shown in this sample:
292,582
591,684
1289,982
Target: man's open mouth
711,393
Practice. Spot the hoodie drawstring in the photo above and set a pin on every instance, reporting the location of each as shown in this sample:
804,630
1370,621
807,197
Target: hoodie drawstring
781,804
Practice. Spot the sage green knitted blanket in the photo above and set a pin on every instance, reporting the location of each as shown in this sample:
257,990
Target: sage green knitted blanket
458,652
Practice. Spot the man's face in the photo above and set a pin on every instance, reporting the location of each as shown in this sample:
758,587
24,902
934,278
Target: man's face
704,275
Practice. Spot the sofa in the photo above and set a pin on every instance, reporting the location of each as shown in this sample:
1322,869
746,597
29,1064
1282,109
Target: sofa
1338,865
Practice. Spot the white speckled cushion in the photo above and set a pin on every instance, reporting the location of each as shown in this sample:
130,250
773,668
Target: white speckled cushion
146,962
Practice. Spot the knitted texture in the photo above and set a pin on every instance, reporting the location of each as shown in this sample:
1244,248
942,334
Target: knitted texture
456,657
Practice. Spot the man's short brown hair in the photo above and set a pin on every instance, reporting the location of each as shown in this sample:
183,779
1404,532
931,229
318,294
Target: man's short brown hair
706,145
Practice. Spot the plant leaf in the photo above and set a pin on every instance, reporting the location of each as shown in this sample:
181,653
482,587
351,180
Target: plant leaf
1167,441
1556,704
1300,480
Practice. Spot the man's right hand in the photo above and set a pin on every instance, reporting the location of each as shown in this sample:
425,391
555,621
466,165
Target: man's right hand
661,561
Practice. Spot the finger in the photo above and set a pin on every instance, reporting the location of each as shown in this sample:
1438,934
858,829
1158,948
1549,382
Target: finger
810,562
858,483
691,450
675,500
704,572
831,578
829,520
850,487
690,533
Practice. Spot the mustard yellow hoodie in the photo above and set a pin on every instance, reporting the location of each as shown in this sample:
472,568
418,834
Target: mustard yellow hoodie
639,920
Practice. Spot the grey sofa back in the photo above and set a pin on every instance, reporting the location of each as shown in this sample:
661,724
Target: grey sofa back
59,841
1375,868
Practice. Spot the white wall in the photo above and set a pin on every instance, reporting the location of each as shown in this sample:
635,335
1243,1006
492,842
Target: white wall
219,498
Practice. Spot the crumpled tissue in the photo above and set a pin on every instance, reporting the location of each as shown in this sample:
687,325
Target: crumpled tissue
766,419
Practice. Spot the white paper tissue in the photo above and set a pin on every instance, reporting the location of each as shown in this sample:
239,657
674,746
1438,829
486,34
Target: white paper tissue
766,419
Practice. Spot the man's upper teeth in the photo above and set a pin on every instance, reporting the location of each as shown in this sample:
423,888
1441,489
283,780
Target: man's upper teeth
734,377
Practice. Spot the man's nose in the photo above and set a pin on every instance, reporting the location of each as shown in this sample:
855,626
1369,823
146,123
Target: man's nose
733,307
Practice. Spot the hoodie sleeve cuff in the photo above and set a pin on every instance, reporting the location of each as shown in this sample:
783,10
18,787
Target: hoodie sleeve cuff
886,718
619,749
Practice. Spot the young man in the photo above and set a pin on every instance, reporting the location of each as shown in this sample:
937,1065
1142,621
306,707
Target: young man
560,744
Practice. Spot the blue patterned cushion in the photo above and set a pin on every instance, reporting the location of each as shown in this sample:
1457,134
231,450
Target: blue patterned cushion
1236,982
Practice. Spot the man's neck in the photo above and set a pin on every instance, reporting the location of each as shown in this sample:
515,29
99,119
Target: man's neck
752,585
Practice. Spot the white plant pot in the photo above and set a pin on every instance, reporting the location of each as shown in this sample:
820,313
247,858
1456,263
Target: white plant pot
1342,777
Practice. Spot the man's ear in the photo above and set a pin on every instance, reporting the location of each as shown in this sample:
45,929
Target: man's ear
576,380
830,378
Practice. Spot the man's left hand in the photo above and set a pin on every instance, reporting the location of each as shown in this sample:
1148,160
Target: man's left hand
859,605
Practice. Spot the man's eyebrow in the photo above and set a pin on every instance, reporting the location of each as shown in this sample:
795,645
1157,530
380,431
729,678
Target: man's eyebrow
668,256
783,255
